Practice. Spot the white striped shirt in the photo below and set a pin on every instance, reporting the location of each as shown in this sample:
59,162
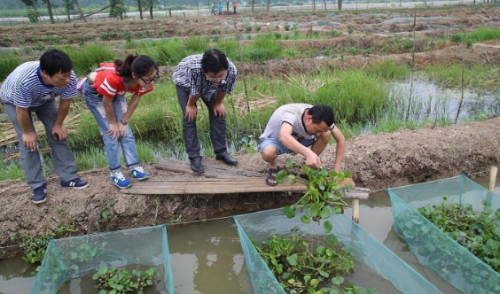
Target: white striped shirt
24,87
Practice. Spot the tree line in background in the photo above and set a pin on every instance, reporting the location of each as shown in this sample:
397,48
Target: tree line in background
118,8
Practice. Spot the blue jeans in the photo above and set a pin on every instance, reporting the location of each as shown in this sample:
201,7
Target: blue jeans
279,147
111,147
64,162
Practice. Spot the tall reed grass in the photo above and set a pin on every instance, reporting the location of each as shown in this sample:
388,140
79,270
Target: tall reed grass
9,62
88,57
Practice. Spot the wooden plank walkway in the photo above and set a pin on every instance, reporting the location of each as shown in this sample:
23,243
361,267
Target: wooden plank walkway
216,180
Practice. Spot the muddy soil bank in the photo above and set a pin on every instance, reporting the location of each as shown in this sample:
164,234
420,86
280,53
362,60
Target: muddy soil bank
486,54
377,162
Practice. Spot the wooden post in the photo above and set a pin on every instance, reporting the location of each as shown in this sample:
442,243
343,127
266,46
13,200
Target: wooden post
355,210
170,12
493,178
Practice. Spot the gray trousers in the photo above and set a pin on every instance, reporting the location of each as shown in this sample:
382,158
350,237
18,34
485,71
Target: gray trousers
64,162
217,127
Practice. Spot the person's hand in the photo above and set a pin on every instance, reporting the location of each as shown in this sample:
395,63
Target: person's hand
29,140
350,182
114,131
60,131
122,129
220,110
312,160
191,111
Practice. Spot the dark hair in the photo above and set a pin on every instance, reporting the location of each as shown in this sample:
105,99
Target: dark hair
140,65
214,60
55,61
322,113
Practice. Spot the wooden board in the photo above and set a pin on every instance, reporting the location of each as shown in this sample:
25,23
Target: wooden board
209,186
217,179
211,171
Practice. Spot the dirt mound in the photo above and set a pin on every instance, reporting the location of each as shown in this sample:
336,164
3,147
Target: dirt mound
377,161
477,54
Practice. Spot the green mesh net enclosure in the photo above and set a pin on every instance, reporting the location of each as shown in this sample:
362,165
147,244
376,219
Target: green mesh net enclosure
375,265
434,248
76,257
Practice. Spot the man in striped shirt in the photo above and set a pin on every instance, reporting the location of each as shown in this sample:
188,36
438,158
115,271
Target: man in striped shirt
210,76
32,88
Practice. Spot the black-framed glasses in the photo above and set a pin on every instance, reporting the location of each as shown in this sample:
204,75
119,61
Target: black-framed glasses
153,80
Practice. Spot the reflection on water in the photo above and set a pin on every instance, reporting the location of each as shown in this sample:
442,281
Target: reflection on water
429,101
15,276
207,257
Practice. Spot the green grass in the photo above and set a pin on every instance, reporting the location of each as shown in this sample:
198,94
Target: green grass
477,76
8,62
388,70
87,58
482,34
10,171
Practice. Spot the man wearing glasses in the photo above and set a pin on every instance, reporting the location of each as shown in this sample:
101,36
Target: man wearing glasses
209,76
104,92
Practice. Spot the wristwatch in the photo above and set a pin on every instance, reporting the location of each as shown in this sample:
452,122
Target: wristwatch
123,123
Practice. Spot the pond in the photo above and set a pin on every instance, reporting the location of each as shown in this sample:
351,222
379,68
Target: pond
207,257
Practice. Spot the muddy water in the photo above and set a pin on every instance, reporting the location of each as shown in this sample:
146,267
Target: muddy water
430,101
207,257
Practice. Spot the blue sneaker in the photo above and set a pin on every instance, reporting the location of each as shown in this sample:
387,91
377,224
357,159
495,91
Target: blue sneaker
75,184
39,194
139,173
120,180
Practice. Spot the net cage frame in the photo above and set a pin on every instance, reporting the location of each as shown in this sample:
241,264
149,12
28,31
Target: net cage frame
433,247
146,246
362,246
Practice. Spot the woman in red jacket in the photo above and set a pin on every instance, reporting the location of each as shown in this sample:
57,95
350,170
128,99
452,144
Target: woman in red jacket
104,94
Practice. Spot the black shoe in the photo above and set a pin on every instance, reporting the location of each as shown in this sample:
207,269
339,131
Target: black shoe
228,159
196,165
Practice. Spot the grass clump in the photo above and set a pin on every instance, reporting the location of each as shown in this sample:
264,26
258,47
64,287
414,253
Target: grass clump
474,76
355,96
263,49
484,34
388,70
8,62
88,57
11,171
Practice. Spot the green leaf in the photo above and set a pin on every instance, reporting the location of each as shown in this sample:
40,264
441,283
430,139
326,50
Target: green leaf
289,163
323,273
337,280
292,259
332,240
305,219
280,176
292,179
290,211
325,213
307,278
314,283
327,226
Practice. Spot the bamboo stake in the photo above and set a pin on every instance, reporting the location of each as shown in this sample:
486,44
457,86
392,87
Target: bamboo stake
462,98
493,178
355,210
412,68
242,67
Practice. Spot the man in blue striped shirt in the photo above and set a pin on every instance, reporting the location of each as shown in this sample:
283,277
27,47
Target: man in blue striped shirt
32,88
